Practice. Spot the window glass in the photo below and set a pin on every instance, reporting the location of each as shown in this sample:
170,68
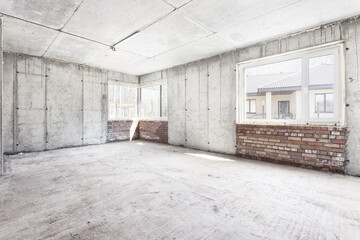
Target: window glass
329,102
321,86
112,110
319,102
251,106
247,106
150,102
122,102
273,90
302,87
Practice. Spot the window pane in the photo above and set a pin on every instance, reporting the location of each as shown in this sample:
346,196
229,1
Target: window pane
275,90
253,106
164,105
128,102
321,86
319,103
250,106
111,93
150,102
112,111
329,102
122,102
117,94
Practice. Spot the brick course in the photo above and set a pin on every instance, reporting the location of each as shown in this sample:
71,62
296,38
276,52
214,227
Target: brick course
119,130
154,131
320,148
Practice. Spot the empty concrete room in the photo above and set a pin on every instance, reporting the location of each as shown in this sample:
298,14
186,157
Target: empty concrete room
180,119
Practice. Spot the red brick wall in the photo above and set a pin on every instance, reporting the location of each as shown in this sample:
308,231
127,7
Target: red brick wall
120,130
321,148
154,131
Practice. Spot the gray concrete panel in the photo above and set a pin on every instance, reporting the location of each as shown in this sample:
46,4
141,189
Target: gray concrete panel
53,13
64,103
203,129
93,106
26,38
8,104
110,21
192,95
228,101
177,105
1,97
216,133
30,105
352,59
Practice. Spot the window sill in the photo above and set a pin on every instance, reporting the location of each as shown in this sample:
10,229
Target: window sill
122,119
292,123
139,119
154,119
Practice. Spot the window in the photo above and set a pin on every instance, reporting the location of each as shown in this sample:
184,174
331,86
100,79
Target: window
251,106
324,103
154,101
321,87
296,87
122,102
283,109
150,102
270,84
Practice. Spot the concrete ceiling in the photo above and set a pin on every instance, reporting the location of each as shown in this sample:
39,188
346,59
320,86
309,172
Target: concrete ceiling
155,34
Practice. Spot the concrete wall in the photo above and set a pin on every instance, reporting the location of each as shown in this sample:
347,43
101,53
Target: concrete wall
202,101
52,104
153,77
202,94
1,99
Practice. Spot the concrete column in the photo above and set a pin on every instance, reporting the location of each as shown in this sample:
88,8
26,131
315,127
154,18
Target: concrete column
1,96
268,105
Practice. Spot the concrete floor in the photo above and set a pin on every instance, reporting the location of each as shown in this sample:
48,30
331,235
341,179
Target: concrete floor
141,190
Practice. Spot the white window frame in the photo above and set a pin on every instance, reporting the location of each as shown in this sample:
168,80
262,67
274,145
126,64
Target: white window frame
336,49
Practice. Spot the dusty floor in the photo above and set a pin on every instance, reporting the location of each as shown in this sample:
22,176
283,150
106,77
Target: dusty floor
140,190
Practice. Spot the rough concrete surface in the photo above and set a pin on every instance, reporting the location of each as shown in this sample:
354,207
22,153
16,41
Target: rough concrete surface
141,190
51,104
1,98
202,94
171,32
